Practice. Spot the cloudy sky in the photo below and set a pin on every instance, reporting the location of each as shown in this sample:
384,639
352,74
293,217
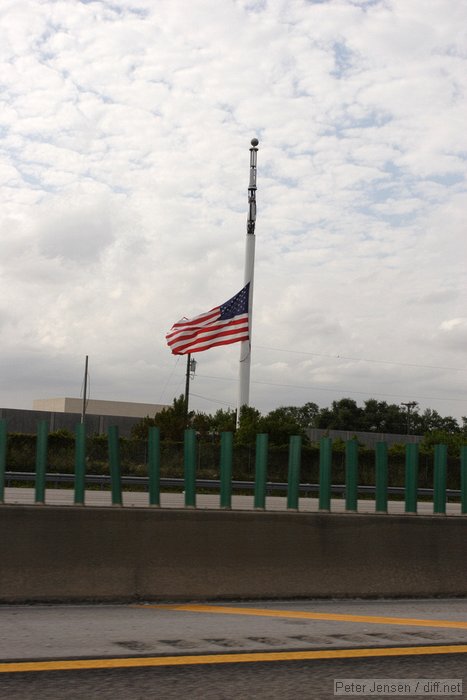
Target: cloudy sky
125,128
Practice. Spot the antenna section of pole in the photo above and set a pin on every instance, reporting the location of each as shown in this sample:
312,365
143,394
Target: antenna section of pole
245,346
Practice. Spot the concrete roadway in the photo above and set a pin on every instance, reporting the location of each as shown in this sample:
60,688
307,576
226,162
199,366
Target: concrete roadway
210,501
285,649
279,649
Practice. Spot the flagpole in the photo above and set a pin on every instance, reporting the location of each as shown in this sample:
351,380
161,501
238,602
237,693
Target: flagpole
245,345
83,410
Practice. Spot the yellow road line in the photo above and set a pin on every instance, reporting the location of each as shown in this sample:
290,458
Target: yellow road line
298,614
255,657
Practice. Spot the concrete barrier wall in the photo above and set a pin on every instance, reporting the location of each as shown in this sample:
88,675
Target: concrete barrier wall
50,553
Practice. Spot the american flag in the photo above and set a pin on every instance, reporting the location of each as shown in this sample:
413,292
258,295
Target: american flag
222,325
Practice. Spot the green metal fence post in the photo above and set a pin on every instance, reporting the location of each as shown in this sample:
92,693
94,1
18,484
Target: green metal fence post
41,460
464,479
80,463
261,471
3,445
226,469
154,465
411,477
439,479
114,462
295,454
325,464
351,475
189,456
381,469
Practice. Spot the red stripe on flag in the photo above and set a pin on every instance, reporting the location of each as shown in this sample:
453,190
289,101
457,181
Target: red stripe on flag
203,343
222,325
203,338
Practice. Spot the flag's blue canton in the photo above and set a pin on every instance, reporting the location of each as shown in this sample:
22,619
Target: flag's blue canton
237,305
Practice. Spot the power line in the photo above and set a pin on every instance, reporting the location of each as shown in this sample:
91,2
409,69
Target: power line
206,398
164,389
361,359
314,387
365,393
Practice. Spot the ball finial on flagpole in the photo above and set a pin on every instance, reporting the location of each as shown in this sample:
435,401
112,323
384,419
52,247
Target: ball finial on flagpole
254,142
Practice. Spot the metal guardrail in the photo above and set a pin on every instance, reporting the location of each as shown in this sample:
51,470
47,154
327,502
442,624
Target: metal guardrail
104,481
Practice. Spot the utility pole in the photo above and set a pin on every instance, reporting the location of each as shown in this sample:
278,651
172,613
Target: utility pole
190,373
245,345
409,405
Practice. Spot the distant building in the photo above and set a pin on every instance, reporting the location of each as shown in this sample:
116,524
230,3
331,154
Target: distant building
65,413
95,407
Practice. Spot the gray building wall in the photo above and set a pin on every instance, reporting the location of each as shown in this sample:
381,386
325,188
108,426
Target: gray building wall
25,421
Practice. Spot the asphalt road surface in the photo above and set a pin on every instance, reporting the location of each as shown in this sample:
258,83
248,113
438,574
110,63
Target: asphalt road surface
278,649
294,680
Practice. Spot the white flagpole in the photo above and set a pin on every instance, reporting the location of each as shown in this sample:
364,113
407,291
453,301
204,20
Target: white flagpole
83,410
245,345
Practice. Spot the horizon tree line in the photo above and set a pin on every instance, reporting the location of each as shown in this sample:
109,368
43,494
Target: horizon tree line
284,421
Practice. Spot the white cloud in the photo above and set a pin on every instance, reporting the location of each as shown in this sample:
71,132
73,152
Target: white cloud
124,136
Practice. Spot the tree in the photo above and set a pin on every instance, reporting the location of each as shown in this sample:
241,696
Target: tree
281,423
171,421
374,416
249,425
430,420
202,423
139,431
303,417
381,417
343,415
395,420
224,421
453,440
308,414
285,421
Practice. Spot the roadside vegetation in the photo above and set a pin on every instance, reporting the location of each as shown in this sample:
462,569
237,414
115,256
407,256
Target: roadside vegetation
279,424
